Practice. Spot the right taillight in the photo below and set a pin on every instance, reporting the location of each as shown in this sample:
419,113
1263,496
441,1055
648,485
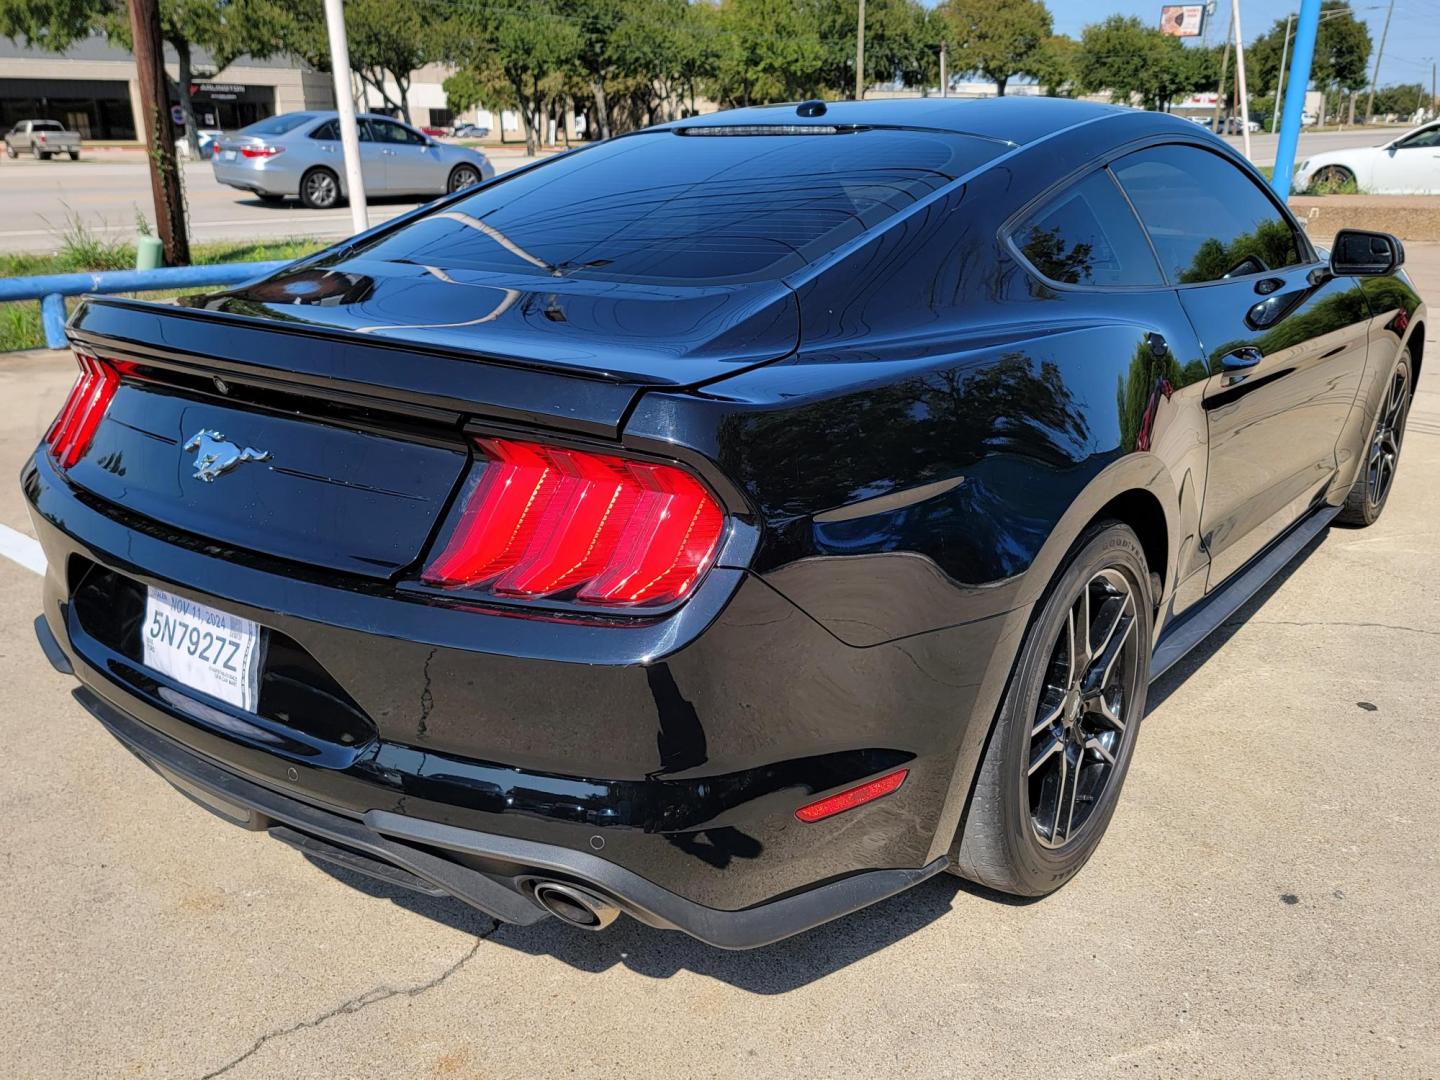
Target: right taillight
69,436
553,521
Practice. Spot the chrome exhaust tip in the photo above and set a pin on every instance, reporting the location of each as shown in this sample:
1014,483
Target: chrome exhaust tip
575,906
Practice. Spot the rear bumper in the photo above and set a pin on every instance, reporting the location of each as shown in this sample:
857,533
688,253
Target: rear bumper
678,751
498,872
252,176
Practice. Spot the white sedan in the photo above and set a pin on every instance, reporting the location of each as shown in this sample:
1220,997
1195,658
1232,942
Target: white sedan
1408,165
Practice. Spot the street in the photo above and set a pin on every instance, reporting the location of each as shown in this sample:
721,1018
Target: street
108,195
1263,904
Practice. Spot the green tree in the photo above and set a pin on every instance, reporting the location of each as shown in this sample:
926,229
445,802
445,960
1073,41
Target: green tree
1342,53
997,38
1132,59
507,57
387,42
1057,65
767,50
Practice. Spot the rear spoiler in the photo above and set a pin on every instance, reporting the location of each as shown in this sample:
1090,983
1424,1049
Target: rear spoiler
438,384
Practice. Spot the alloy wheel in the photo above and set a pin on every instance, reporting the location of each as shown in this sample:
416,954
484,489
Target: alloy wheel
463,177
1389,433
1083,719
321,189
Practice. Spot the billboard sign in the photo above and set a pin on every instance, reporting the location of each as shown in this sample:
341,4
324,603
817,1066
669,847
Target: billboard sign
1182,20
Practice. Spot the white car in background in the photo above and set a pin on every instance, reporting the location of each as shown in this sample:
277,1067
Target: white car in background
1408,165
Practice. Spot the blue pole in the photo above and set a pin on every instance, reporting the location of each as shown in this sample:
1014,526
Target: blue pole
1300,59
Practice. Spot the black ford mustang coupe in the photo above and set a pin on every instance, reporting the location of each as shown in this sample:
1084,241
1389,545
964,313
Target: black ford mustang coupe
729,524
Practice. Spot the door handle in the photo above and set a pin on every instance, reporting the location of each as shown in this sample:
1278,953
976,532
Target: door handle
1247,356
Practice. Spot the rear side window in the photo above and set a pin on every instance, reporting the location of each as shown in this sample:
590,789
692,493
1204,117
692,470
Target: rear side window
665,207
1207,219
1088,235
328,130
45,125
278,125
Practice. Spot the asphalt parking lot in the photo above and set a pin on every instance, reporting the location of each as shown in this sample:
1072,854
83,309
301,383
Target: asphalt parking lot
1265,902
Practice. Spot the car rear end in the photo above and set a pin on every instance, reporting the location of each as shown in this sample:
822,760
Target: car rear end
457,581
266,157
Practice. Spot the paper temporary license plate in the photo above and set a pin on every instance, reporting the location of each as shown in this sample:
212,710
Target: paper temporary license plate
211,651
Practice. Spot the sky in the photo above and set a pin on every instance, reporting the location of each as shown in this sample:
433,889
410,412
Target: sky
1413,44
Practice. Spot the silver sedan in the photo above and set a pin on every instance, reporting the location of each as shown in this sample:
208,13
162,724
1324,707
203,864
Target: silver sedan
298,155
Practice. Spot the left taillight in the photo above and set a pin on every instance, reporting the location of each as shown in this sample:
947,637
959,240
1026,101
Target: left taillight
556,522
69,436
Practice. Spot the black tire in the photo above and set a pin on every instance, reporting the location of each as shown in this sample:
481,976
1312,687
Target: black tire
1332,176
462,176
74,155
9,151
320,189
1381,455
270,200
36,154
1011,840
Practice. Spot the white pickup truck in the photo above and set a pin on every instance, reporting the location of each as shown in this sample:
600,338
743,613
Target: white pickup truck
42,138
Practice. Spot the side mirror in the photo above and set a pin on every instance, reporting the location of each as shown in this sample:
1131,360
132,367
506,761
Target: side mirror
1358,253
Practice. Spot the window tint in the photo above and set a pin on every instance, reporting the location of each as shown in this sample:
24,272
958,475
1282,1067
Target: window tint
278,125
1206,218
1089,236
1421,140
46,125
664,207
387,131
328,130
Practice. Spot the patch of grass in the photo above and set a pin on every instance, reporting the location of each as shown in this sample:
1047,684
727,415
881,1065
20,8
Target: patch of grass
1329,186
82,250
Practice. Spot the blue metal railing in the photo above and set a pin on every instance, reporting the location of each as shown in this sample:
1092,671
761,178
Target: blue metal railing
52,289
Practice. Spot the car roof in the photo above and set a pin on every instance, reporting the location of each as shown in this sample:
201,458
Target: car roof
1016,120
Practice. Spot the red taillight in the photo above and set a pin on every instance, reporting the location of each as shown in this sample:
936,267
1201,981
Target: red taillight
550,520
80,416
261,151
856,796
215,148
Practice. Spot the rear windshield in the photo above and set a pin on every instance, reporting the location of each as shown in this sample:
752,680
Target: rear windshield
663,207
45,125
277,125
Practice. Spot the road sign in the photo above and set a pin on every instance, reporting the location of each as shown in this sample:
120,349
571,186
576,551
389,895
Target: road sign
1182,20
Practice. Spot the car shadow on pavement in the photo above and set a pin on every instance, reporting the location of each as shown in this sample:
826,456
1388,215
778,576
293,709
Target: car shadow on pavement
773,969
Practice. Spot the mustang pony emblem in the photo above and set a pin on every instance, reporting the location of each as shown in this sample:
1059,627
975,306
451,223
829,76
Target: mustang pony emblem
216,456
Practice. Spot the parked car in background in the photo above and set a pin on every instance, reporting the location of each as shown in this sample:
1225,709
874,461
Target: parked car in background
434,132
1406,165
42,139
1308,119
470,131
205,137
299,155
732,523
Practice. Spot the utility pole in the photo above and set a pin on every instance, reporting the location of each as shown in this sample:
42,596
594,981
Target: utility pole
345,106
945,69
1240,77
160,148
1220,91
1375,75
859,54
1280,84
1432,86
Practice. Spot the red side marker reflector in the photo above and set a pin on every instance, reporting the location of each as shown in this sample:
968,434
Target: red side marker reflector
856,796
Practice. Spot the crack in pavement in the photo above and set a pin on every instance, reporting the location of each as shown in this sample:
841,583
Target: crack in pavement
355,1004
1328,622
